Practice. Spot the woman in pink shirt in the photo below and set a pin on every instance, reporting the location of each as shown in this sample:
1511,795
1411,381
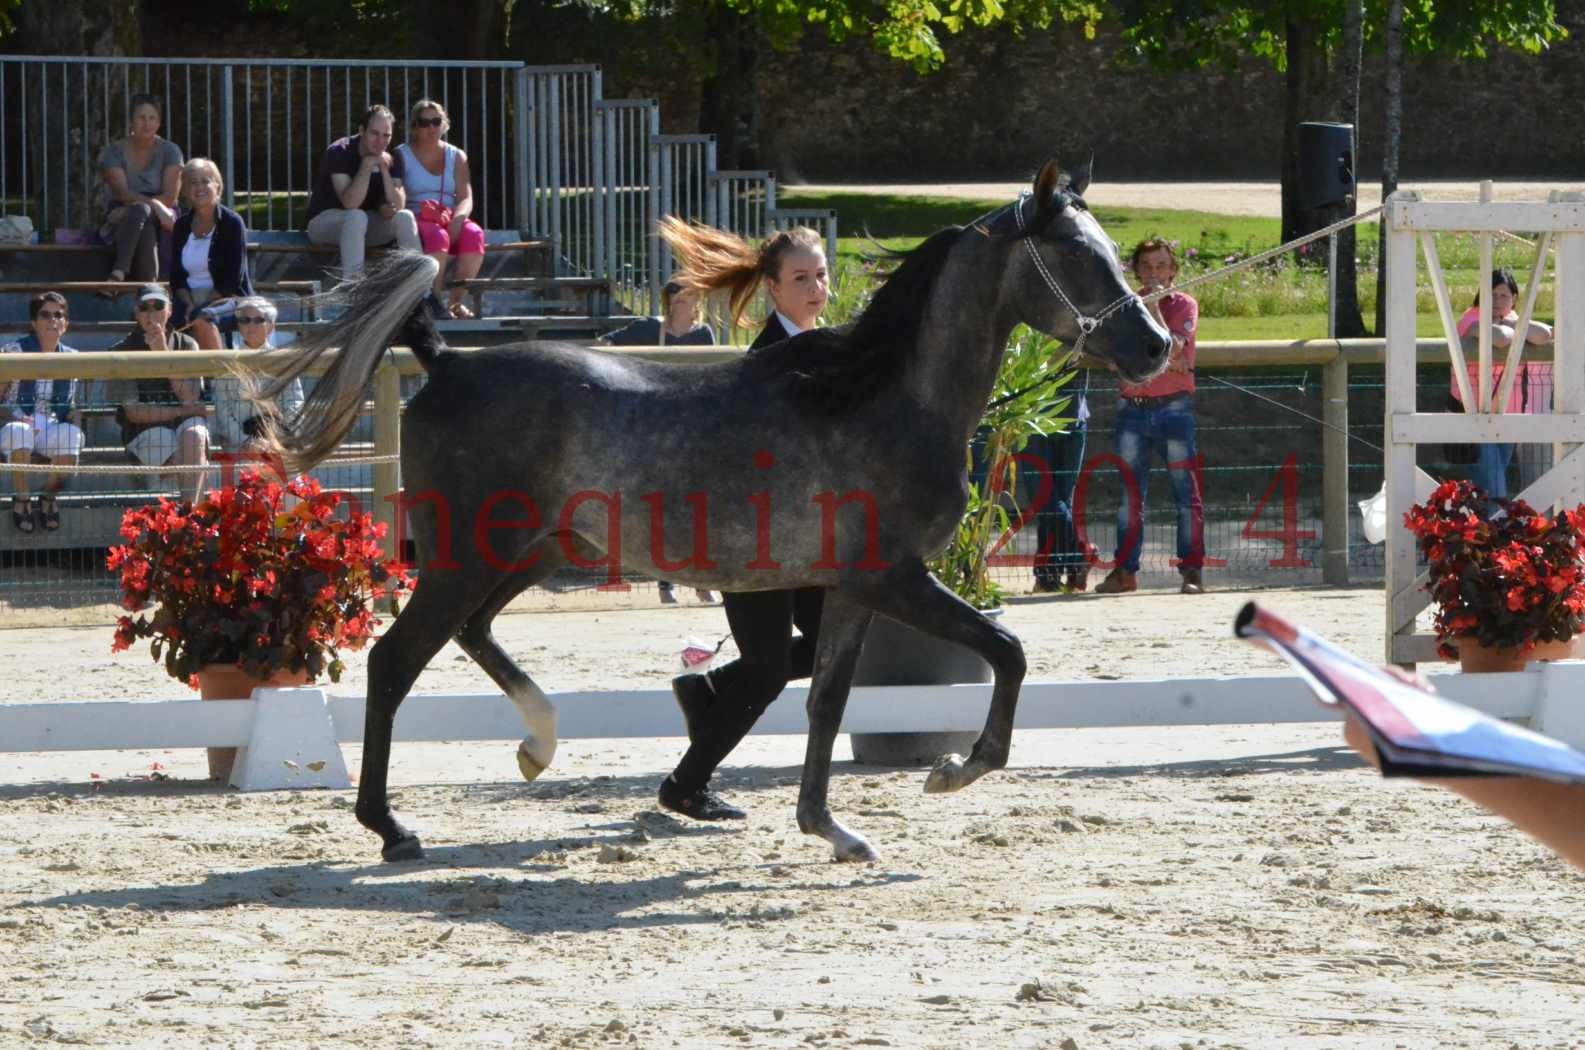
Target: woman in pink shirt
1532,387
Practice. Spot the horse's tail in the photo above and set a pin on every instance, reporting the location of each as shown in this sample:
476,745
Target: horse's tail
378,304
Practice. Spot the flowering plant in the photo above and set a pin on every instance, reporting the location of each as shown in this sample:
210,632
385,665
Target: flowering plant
239,580
1501,572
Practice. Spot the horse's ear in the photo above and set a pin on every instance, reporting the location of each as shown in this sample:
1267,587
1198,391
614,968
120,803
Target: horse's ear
1046,182
1079,180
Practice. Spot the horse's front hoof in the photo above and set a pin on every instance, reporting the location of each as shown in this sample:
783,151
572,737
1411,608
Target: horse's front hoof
530,764
856,851
948,774
408,848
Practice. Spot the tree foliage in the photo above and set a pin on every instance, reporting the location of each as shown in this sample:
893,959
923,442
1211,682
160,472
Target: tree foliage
1192,34
908,30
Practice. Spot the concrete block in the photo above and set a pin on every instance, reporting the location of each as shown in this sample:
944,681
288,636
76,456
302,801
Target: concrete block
293,744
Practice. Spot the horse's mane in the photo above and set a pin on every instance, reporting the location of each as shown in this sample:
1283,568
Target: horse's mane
832,370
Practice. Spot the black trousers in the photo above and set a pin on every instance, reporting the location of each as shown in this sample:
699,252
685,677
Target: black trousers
770,657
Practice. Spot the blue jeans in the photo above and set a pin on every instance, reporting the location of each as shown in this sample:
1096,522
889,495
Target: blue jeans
1167,427
1060,457
1491,470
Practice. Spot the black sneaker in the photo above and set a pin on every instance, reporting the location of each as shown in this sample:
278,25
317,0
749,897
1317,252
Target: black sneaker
694,698
703,804
437,309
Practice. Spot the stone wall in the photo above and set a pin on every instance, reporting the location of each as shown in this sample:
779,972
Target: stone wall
1002,102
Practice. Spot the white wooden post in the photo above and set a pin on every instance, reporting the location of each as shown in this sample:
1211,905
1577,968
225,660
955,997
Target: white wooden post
1400,368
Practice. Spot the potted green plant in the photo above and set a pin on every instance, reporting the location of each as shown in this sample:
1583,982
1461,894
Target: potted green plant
1028,399
257,584
1508,581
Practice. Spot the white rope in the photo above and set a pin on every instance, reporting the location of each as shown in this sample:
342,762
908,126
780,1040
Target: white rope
227,464
1256,260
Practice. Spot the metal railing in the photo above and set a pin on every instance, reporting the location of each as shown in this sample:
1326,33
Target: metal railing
548,155
265,122
628,127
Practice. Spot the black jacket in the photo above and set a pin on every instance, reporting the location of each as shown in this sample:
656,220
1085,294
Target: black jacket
773,332
228,259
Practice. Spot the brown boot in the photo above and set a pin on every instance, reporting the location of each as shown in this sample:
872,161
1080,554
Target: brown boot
1078,581
1192,584
1118,581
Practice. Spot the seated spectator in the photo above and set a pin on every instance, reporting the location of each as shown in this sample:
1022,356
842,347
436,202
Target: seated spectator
1531,388
40,416
358,197
680,323
441,196
163,421
237,423
209,269
142,174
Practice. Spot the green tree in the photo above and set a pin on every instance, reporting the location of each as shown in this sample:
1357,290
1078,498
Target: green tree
1306,40
725,40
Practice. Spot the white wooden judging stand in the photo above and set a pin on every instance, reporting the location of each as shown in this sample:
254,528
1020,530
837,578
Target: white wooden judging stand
1559,224
291,737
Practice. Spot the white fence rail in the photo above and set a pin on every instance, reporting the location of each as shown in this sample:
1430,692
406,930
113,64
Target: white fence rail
289,731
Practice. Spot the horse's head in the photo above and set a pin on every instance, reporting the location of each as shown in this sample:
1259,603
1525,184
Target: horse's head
1069,281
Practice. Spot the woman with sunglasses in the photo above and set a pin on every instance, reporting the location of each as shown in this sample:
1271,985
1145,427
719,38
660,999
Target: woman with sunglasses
237,423
40,417
210,269
440,195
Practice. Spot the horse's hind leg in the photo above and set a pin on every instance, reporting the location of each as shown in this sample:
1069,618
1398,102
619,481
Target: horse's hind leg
538,748
436,610
842,627
910,595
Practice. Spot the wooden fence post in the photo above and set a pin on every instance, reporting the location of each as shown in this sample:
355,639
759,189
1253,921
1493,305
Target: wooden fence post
387,441
1334,471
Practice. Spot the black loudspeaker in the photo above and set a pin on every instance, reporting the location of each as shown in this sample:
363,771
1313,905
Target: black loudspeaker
1326,164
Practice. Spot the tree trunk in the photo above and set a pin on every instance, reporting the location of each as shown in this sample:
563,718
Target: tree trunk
1306,62
729,91
64,159
1350,324
1389,147
461,29
465,30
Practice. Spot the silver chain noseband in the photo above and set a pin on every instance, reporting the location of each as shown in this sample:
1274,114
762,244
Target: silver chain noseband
1087,324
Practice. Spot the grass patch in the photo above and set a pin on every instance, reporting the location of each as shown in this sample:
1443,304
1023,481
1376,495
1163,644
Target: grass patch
1281,299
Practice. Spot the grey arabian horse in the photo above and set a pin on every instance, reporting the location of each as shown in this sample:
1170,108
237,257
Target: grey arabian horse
835,459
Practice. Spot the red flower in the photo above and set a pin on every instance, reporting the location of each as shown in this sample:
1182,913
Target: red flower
1500,571
239,580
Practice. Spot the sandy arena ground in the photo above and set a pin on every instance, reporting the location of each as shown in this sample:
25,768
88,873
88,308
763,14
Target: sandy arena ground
1263,199
1250,887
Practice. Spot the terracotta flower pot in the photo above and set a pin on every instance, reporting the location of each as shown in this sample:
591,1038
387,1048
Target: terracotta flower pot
1573,649
1475,658
229,682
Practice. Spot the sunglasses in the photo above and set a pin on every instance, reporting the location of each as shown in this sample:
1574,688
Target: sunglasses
150,305
428,122
52,315
249,319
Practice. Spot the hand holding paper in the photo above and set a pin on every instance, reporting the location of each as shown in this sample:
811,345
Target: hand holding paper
1401,725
